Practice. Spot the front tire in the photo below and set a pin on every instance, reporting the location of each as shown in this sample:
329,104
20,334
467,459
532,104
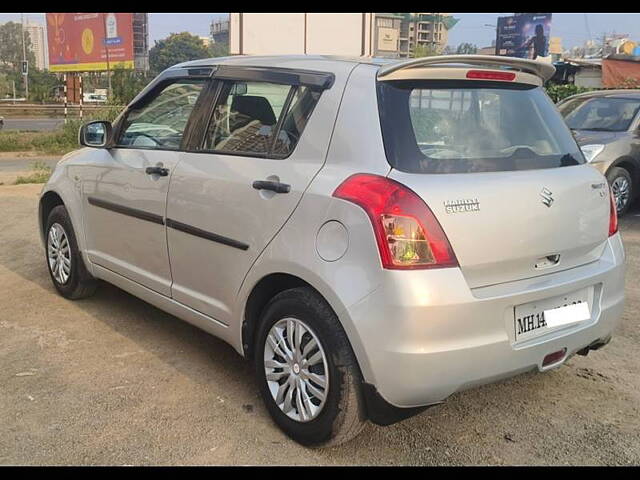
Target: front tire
308,375
622,187
64,261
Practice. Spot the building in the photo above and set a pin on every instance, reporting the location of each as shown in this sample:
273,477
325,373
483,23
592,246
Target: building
220,31
430,30
387,35
206,41
38,46
141,41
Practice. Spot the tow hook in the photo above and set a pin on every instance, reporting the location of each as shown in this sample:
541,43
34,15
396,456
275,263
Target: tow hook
593,346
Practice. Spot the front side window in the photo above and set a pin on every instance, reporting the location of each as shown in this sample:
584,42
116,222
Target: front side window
259,118
160,122
434,128
600,114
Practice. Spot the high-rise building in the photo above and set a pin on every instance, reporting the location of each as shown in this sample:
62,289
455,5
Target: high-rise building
38,47
430,30
141,41
220,31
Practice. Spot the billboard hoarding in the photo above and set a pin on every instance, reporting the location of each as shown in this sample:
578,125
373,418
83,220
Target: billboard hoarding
81,42
524,36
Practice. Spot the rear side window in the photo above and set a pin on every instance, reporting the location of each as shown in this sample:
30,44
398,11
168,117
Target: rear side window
259,118
461,127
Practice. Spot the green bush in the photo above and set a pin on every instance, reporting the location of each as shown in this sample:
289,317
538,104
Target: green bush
560,92
59,141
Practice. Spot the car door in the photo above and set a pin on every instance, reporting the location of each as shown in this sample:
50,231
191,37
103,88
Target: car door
125,192
266,138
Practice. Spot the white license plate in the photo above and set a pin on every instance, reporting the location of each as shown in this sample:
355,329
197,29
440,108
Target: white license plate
544,316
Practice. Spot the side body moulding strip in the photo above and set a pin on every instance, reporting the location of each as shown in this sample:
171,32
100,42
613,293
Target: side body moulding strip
214,237
132,212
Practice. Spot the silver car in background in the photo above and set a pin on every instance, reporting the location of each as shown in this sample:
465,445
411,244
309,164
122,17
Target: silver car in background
606,124
375,236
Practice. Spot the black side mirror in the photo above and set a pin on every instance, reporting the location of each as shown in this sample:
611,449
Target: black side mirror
95,134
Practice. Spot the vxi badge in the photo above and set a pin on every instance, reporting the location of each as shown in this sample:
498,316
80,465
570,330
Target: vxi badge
547,199
460,206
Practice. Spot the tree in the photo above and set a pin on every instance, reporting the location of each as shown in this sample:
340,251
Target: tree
42,85
176,48
125,85
219,50
467,49
11,46
11,57
424,51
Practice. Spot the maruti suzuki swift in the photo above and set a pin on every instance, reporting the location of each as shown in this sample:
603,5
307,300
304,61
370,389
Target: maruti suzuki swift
373,235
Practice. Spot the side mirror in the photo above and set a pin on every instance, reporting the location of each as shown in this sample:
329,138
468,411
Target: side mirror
95,134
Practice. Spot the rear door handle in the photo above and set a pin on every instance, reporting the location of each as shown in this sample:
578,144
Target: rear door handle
273,186
163,172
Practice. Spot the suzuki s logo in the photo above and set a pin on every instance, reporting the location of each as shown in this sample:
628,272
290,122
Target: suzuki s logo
547,199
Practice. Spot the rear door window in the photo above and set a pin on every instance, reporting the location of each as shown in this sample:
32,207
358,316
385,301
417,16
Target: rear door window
433,127
259,118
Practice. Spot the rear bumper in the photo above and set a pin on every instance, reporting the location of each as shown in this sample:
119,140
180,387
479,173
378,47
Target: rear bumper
424,335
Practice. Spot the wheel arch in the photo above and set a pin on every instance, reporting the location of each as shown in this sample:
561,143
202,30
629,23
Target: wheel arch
263,291
630,164
48,201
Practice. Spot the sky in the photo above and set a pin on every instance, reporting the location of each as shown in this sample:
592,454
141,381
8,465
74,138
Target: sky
574,28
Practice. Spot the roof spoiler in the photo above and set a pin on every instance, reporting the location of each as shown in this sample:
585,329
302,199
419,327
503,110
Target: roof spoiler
543,70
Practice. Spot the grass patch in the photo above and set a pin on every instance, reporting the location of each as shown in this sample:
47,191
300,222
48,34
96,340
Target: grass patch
40,173
58,142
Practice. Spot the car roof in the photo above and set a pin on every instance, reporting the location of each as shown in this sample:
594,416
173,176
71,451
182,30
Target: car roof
332,63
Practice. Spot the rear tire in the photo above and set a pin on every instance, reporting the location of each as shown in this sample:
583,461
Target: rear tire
64,260
340,415
623,188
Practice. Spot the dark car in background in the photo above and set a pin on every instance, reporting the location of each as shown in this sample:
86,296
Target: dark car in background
606,125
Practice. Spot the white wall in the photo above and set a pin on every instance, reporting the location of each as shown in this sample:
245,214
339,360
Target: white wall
285,33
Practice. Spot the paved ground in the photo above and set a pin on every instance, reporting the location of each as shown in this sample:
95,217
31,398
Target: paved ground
32,124
112,380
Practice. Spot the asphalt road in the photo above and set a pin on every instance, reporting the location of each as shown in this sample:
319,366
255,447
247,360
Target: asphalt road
32,124
12,163
112,380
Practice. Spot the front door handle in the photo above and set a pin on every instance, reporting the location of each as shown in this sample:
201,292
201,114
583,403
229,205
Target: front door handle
273,186
163,172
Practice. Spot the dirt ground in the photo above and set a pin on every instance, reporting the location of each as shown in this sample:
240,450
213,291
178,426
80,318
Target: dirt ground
112,380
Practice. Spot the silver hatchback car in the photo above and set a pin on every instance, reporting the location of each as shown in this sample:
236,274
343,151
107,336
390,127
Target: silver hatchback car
373,235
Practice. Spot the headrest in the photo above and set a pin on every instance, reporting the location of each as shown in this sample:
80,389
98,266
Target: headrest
256,108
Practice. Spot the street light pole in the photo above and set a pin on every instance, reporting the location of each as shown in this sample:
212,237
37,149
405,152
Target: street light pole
24,59
106,49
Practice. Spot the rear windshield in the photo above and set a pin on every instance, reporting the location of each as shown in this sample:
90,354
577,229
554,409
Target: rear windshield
463,126
600,114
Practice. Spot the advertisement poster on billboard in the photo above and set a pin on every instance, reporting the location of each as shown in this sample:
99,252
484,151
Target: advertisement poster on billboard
524,36
82,42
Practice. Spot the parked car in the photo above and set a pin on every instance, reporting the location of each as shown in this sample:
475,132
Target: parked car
373,235
607,127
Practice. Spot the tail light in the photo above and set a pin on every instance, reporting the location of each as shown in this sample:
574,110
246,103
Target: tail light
613,215
408,234
491,75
